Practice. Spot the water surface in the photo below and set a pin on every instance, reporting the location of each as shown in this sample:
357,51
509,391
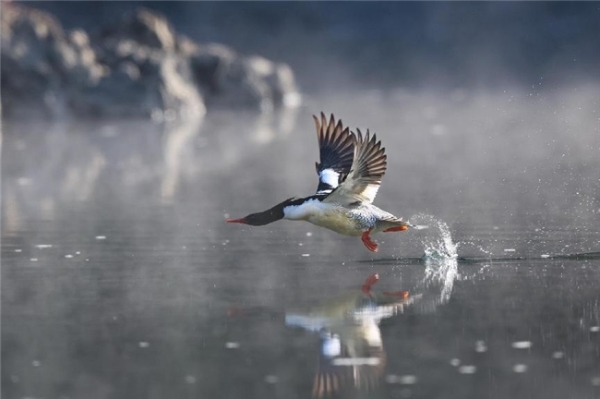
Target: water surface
120,278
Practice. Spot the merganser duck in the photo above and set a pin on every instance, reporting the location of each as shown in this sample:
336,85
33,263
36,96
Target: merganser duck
350,171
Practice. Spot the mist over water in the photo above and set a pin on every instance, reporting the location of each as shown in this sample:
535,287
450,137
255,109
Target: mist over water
121,279
114,238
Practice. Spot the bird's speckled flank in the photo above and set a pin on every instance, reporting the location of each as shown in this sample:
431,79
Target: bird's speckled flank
351,221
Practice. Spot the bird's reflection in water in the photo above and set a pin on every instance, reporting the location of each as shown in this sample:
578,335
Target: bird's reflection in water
351,356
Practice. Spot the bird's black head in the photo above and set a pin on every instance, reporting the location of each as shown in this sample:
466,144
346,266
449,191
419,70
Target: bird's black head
269,216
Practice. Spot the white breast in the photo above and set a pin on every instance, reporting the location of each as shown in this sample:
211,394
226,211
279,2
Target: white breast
306,209
330,216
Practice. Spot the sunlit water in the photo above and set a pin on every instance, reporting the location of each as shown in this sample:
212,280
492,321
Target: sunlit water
120,278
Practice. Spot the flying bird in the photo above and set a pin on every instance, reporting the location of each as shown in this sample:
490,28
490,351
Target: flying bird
350,171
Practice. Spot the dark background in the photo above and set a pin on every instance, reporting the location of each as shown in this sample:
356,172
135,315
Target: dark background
375,44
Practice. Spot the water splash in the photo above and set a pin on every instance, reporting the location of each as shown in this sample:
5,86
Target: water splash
440,255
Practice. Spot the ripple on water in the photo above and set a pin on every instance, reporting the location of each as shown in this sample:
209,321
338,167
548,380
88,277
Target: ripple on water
401,379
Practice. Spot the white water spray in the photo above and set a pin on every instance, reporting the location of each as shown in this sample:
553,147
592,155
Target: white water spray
440,255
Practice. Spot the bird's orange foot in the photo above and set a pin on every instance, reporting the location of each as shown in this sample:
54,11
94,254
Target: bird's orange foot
369,243
397,228
399,294
369,283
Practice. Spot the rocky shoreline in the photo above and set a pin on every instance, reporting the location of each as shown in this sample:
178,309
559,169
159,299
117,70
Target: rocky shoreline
137,66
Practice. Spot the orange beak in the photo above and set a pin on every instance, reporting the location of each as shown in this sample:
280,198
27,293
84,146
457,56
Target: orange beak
242,220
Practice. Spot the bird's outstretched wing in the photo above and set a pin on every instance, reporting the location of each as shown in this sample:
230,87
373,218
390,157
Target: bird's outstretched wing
336,150
368,167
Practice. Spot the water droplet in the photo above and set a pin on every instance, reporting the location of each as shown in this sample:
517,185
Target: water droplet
144,344
519,368
408,379
521,344
232,345
100,237
271,379
470,369
190,379
480,347
455,362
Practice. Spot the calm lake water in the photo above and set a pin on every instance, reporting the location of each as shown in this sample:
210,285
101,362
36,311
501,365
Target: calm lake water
120,278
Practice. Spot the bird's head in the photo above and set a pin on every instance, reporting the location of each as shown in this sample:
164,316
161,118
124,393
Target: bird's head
269,216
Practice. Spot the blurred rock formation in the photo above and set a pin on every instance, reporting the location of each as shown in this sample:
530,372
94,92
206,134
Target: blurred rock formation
135,67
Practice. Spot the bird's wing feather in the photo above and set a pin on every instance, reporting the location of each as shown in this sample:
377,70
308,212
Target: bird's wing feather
336,151
368,167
